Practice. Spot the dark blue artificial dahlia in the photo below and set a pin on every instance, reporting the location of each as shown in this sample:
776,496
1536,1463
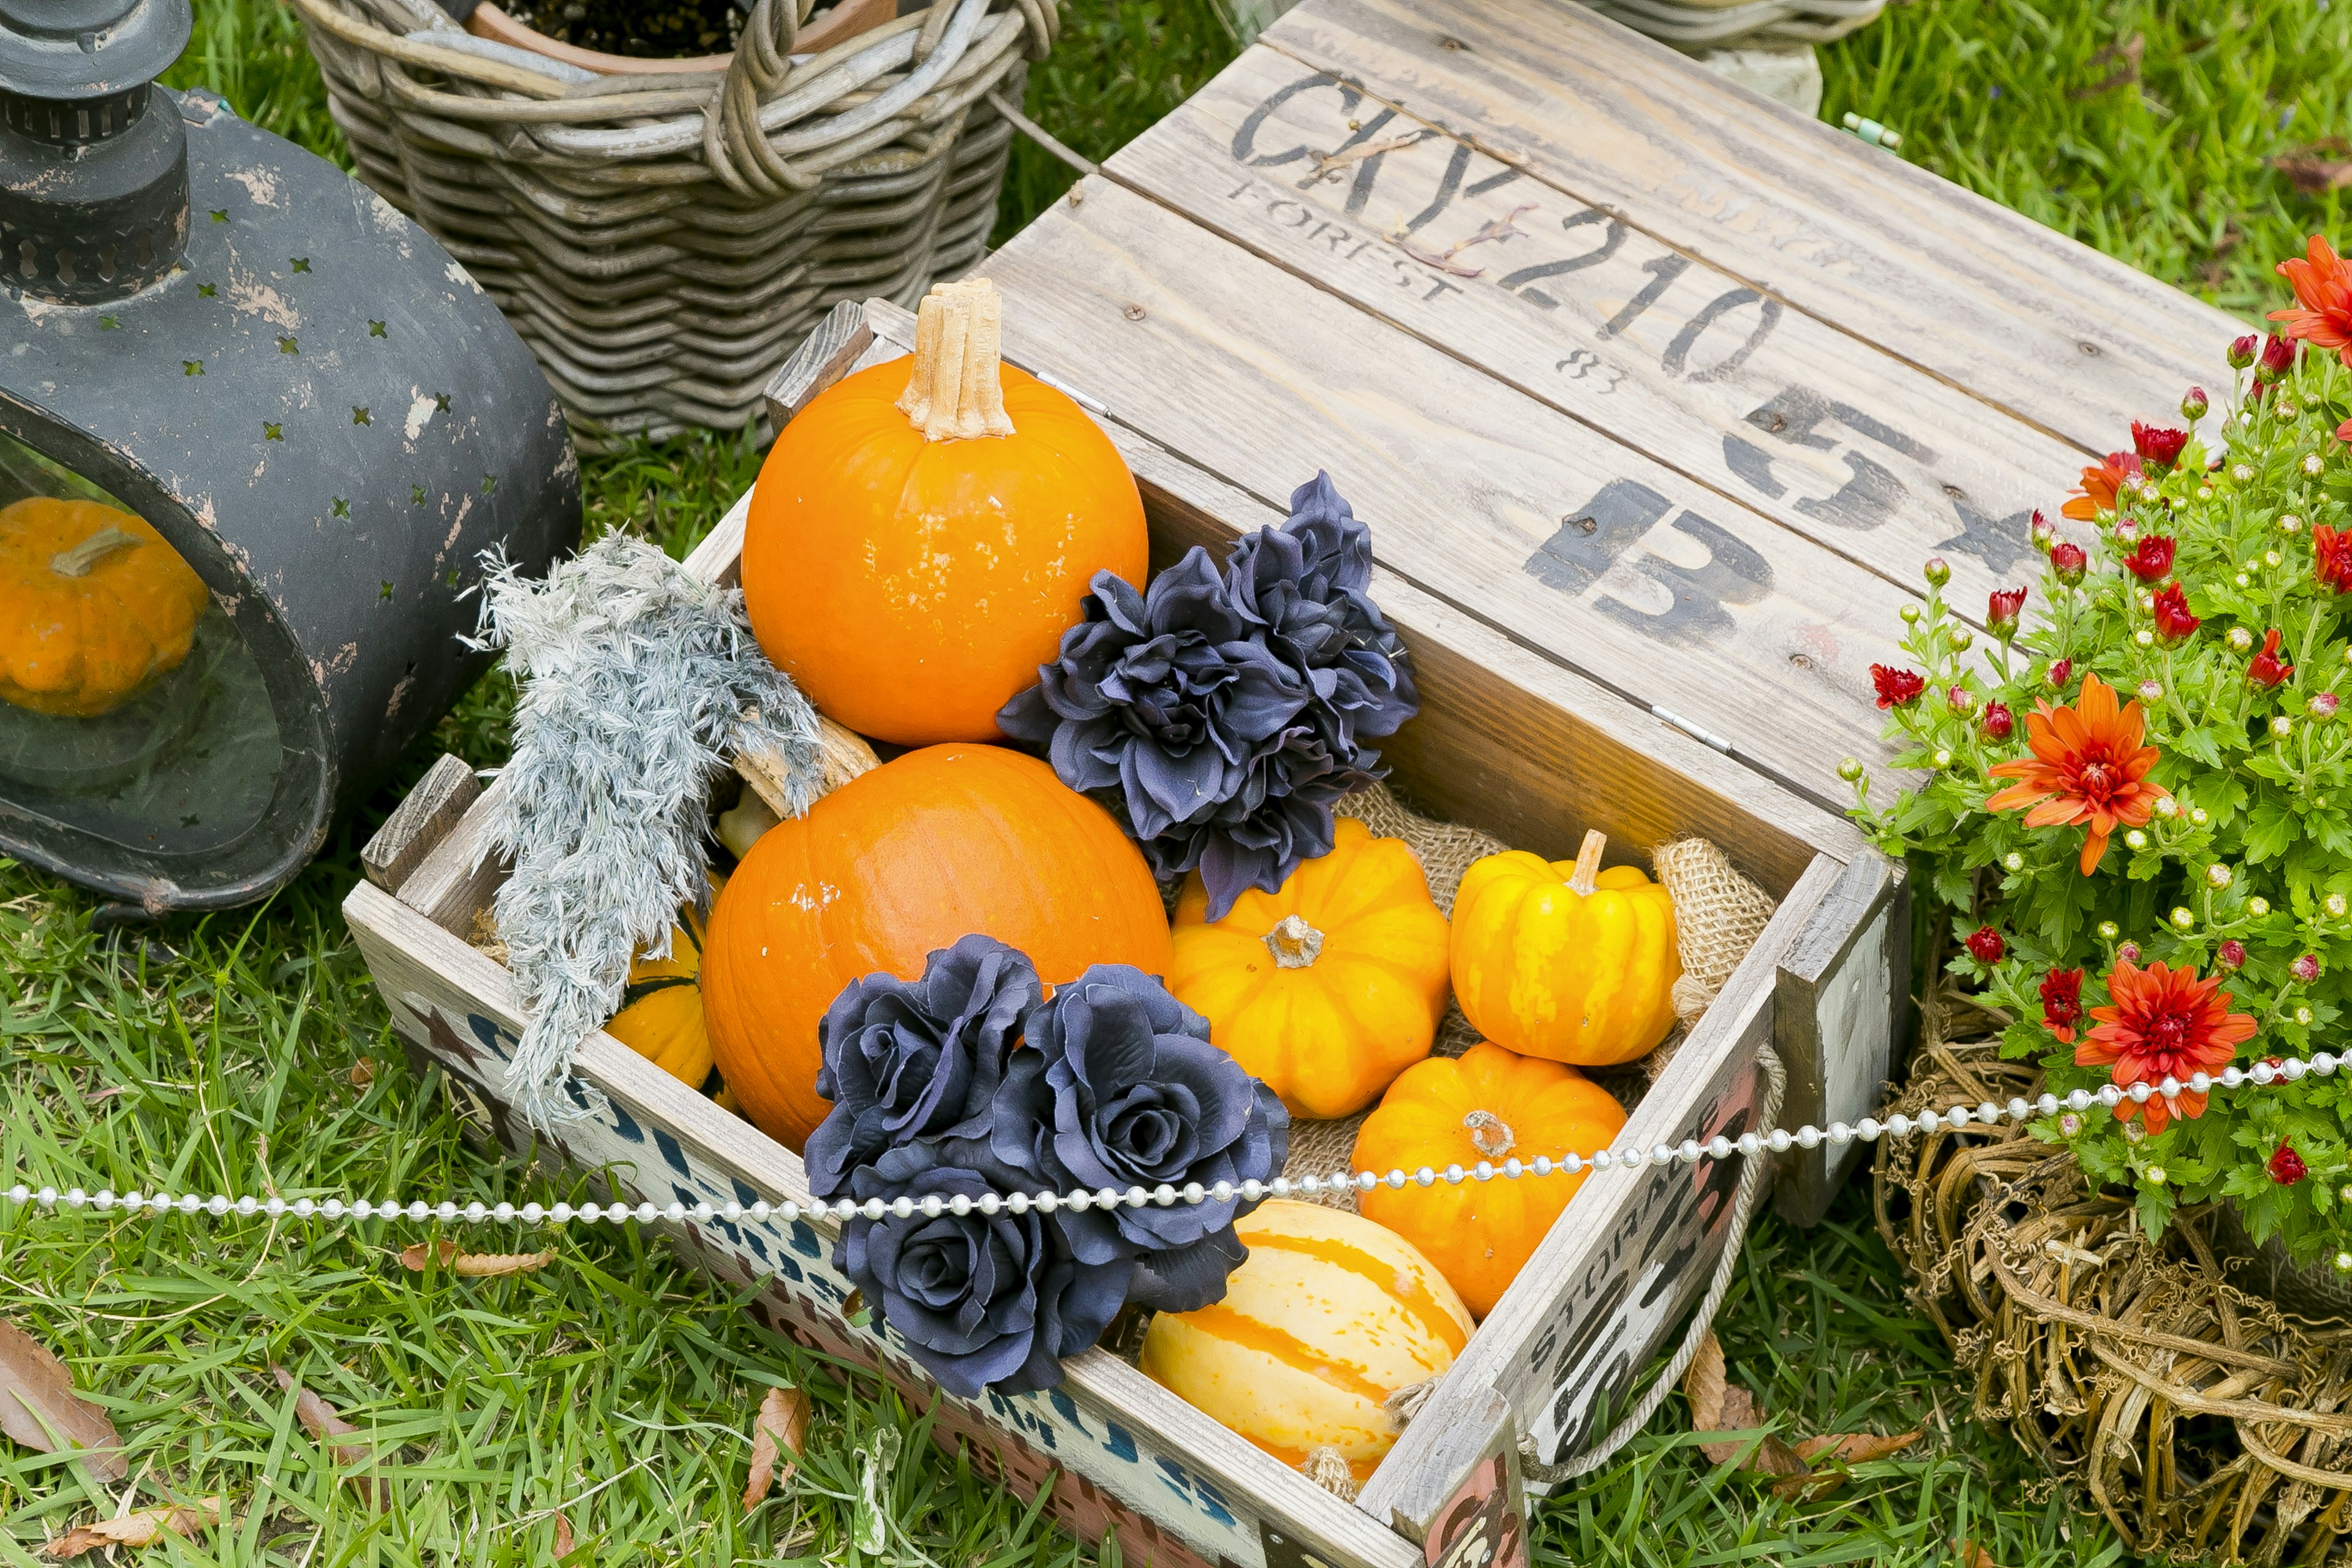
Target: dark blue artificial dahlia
1228,708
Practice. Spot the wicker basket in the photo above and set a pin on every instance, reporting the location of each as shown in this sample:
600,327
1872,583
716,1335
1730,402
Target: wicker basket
663,240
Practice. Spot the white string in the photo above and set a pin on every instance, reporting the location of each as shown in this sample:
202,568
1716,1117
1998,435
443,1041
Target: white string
48,1199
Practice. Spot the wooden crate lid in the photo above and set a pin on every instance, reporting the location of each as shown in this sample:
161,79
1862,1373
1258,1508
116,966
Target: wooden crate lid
1660,380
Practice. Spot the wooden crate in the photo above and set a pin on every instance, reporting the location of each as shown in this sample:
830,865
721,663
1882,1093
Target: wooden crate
1647,481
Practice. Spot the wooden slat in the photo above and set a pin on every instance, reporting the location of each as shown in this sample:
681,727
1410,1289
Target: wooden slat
2019,314
1843,995
1836,439
418,822
1582,548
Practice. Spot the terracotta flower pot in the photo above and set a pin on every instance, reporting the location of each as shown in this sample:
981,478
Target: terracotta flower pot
845,19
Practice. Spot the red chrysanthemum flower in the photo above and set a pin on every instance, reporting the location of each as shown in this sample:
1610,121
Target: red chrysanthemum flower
2323,291
1986,946
2152,561
1996,724
2062,670
2002,607
2286,1166
2173,621
1897,687
2062,1003
2162,1023
2068,560
2278,358
2331,557
2159,444
2102,485
2088,767
2266,669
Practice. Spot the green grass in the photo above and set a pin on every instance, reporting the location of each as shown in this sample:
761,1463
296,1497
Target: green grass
614,1385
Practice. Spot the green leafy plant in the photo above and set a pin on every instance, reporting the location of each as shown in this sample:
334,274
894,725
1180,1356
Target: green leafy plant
2137,809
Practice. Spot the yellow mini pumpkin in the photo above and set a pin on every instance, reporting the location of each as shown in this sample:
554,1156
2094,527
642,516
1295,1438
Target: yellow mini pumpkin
1564,960
93,604
661,1011
1329,1316
1487,1105
1327,988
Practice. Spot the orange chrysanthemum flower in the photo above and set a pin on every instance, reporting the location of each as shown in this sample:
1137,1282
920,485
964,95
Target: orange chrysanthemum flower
2162,1023
2088,766
2322,288
2102,485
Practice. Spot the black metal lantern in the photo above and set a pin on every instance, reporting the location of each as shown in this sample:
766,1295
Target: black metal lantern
256,428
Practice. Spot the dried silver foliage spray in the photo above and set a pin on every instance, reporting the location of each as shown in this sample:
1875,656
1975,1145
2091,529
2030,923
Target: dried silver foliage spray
638,683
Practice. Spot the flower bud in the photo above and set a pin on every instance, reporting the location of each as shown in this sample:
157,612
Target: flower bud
1959,637
2012,862
2128,952
2311,466
2151,690
2135,840
2333,905
2324,706
2241,474
2002,607
2233,954
1986,946
2240,639
1942,759
1910,613
2258,906
2303,1016
1998,723
1939,571
2282,727
2306,969
2069,1124
2107,929
2193,406
2068,560
2244,349
2061,672
2278,358
1959,699
2219,876
2289,523
1849,768
2286,1166
2144,638
2156,1177
2043,532
2196,814
2184,918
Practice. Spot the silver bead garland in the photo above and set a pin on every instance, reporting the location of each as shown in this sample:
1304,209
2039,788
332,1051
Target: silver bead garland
1690,1152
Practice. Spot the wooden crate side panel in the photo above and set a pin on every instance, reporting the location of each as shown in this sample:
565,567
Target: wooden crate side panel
1841,1009
1824,433
1175,1472
2040,324
1631,575
1613,1277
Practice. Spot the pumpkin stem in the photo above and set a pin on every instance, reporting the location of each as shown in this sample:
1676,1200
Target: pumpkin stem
957,390
1294,943
80,561
1489,1133
1588,862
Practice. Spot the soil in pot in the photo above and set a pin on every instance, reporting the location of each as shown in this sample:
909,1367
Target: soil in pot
638,29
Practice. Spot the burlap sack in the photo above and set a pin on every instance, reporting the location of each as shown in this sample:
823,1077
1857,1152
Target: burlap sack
1719,914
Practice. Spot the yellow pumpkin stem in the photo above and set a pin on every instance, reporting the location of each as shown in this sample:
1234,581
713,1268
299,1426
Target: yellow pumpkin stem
82,558
1588,862
1489,1133
1294,943
957,390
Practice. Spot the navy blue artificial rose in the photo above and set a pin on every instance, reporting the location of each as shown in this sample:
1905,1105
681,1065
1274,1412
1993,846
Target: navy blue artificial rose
1123,1090
906,1060
1228,709
985,1300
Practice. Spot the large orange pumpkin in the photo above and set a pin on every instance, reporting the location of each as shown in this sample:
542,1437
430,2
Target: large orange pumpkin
887,869
924,531
93,604
1487,1105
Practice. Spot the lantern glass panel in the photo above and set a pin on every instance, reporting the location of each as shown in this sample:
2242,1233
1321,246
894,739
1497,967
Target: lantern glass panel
131,708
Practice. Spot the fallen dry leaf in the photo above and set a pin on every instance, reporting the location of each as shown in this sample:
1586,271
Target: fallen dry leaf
1845,1448
782,1424
320,1420
1719,1404
1968,1555
144,1527
2324,166
562,1536
37,1398
473,1265
363,1072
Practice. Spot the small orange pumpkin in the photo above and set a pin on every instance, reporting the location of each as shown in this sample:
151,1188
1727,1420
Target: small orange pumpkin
93,604
1327,988
924,531
1566,961
1487,1105
661,1015
891,867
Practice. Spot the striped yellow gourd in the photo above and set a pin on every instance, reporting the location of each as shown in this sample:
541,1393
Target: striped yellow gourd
1564,960
661,1010
1329,1316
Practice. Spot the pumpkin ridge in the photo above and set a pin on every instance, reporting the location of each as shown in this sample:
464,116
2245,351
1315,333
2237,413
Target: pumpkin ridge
1219,1322
1382,1276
